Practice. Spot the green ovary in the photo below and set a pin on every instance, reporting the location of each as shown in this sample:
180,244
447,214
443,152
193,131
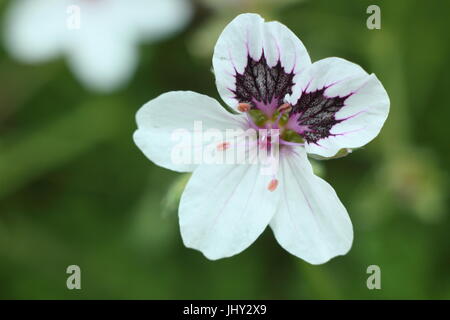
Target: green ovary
262,121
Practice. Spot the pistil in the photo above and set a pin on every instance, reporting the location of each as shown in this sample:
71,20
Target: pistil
278,120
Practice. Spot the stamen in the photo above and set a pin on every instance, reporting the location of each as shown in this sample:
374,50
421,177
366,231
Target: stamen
273,184
243,107
285,108
223,146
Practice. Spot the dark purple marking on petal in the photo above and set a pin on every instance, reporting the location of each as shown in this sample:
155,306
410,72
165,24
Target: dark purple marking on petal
262,86
316,114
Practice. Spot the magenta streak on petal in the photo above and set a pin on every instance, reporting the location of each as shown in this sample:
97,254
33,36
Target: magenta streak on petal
278,52
232,61
353,115
347,132
314,114
318,144
230,74
293,124
247,47
247,145
307,85
288,143
295,63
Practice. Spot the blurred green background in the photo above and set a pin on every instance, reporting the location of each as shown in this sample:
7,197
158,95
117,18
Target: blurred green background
74,189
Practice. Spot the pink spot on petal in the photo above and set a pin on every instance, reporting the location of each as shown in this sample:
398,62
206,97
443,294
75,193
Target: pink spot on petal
273,184
223,146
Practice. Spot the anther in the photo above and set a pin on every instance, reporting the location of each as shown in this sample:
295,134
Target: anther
244,107
223,146
273,184
285,108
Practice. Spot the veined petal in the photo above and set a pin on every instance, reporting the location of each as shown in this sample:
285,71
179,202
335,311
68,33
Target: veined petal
338,105
311,222
224,208
255,62
162,117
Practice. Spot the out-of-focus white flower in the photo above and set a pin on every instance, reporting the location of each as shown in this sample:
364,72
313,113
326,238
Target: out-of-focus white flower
325,108
98,37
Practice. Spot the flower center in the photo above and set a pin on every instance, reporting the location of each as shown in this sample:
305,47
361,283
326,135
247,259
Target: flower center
281,119
260,91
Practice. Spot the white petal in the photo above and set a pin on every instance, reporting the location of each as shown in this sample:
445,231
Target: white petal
155,19
103,50
248,35
225,208
161,117
311,222
102,61
364,111
34,30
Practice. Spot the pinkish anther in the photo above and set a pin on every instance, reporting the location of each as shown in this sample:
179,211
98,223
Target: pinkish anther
244,107
285,108
223,146
273,184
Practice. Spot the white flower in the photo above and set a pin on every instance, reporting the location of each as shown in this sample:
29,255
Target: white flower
98,37
264,72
